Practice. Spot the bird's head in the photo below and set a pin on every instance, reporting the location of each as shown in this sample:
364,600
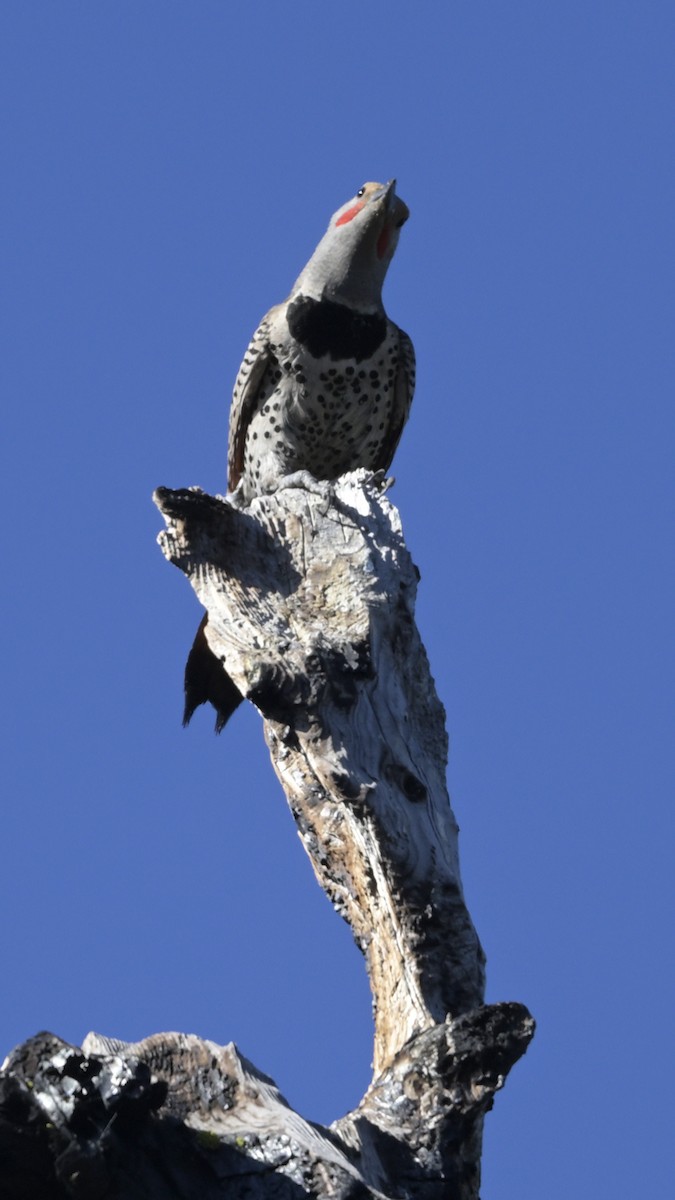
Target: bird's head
351,260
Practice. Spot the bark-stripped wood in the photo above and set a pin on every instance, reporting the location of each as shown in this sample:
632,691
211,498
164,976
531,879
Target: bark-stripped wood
310,595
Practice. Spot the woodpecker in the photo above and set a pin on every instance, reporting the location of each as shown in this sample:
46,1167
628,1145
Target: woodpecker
325,386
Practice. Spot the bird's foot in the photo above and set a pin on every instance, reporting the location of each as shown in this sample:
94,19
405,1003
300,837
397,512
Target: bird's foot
383,481
304,479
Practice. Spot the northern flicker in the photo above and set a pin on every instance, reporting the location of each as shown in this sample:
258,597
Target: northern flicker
325,385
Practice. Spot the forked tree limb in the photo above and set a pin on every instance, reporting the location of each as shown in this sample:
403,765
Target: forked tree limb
310,594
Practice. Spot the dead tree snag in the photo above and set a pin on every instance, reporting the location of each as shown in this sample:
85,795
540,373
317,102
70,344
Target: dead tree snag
310,596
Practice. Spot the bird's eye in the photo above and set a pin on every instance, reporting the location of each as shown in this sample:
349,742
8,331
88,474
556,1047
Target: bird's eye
361,191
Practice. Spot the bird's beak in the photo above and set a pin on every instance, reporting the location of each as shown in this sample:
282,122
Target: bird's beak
398,211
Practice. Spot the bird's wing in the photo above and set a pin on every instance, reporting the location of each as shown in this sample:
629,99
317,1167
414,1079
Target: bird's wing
404,387
256,361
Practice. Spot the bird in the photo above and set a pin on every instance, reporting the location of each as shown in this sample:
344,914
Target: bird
325,387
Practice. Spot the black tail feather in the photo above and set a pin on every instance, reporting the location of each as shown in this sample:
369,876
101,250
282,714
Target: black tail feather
207,680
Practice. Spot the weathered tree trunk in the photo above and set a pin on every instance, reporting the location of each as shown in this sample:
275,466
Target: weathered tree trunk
310,596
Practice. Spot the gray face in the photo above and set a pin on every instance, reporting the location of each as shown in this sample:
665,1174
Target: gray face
350,263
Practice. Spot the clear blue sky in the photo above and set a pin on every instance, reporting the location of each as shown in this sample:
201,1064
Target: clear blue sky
168,169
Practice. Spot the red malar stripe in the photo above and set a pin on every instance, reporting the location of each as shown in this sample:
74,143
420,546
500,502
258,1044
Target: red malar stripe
349,214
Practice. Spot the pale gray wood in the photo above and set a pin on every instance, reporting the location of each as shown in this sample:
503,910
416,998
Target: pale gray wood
311,598
310,595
